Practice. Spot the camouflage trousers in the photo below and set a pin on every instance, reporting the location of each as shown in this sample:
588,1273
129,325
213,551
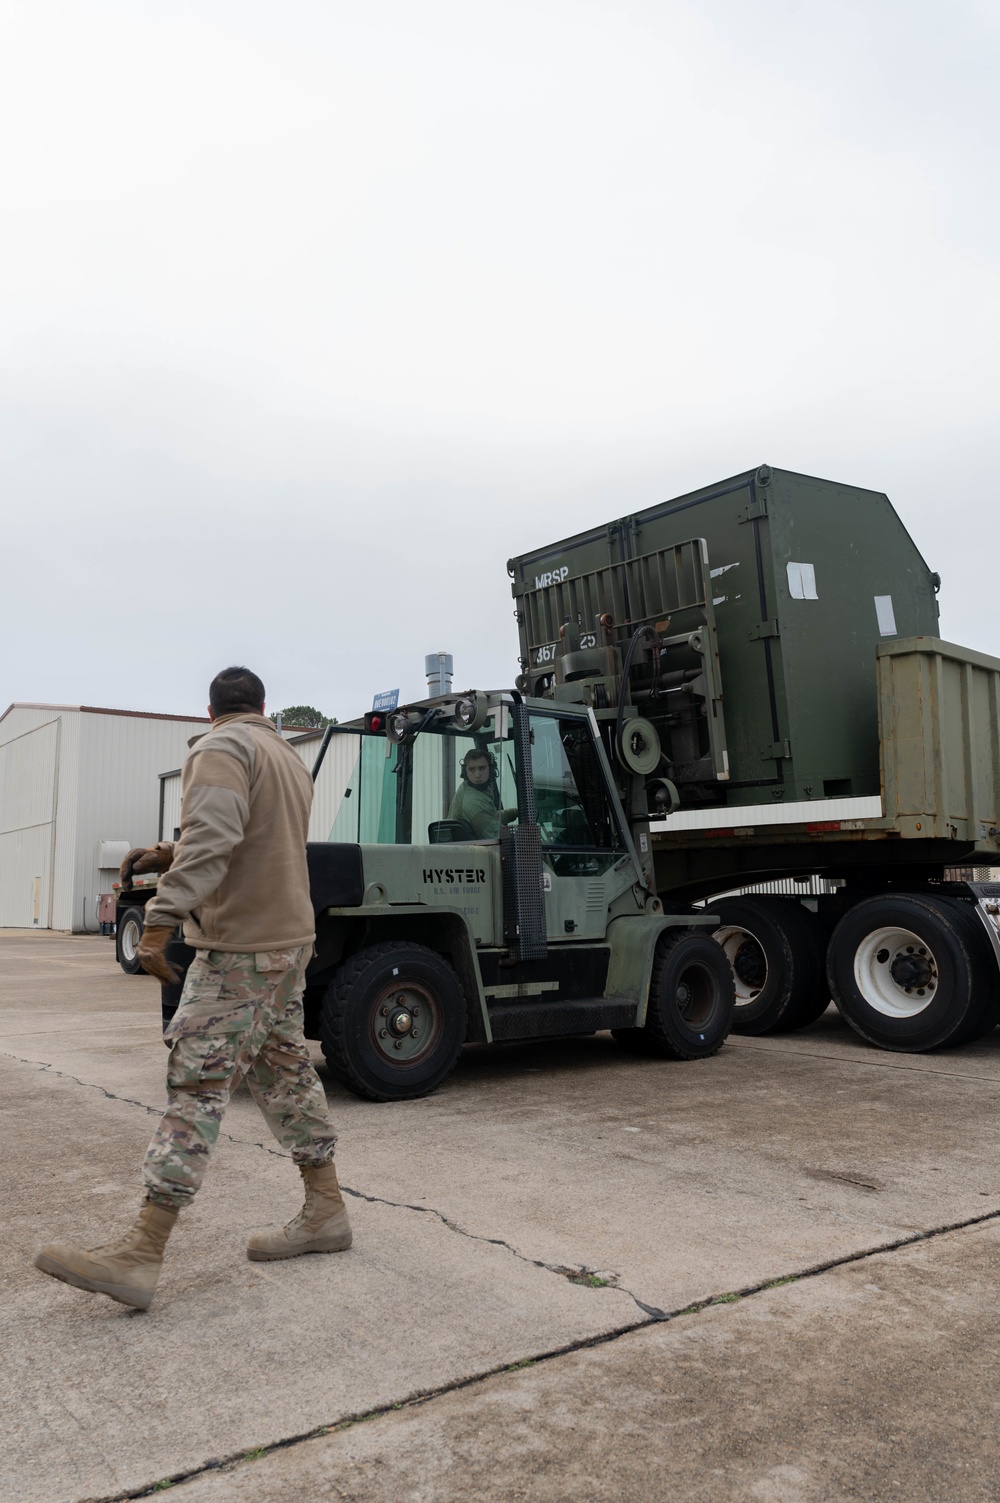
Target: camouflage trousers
238,1014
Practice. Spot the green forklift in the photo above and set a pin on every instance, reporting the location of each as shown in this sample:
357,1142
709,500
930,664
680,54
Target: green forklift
538,921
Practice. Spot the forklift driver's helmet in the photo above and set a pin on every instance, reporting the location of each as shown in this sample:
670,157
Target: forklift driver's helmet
479,754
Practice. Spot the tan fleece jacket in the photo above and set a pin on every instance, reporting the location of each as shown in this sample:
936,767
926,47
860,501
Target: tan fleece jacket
238,880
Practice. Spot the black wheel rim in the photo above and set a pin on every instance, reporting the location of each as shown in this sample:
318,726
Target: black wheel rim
405,1024
694,995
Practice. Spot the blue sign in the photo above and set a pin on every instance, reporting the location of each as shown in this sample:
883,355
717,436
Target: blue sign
388,700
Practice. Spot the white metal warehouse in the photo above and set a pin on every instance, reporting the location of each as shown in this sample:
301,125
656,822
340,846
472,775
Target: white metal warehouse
78,787
335,776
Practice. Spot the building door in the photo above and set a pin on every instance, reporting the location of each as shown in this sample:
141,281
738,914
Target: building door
28,771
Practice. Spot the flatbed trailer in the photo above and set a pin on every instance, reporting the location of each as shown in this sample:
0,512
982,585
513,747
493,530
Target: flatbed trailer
763,657
937,806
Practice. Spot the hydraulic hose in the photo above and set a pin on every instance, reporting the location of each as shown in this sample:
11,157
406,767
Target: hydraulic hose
636,638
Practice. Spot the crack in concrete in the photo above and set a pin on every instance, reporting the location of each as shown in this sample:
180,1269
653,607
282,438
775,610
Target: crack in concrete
90,1085
580,1272
153,1111
425,1396
560,1268
843,1178
879,1063
654,1315
581,1275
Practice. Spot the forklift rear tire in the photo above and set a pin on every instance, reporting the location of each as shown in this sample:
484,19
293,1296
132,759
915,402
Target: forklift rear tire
776,949
393,1022
130,927
691,1000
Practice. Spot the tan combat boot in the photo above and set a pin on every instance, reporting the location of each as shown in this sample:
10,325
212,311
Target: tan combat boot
320,1226
125,1270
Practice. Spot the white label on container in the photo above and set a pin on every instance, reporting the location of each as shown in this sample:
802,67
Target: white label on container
886,619
724,569
801,581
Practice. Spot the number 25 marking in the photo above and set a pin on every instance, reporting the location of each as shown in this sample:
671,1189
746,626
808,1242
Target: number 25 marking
550,651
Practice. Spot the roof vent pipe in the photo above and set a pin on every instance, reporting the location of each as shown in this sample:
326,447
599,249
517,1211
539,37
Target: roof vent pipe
439,668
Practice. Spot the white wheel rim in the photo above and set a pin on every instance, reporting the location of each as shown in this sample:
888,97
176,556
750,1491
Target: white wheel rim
885,961
130,940
732,939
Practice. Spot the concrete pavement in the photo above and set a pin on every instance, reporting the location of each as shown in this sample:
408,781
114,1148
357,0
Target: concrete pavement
874,1381
655,1186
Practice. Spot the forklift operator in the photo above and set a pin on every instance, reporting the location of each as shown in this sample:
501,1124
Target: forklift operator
477,800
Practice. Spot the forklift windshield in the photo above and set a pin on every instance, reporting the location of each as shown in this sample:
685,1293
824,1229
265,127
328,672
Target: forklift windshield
448,784
445,785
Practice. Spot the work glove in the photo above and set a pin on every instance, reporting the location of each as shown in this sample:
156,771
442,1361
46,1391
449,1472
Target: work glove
142,859
151,951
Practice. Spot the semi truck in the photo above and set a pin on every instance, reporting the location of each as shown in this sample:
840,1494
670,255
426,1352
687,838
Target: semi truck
740,685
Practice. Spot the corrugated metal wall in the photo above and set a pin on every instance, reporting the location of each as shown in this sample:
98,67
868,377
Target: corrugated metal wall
334,776
121,757
55,910
26,878
28,777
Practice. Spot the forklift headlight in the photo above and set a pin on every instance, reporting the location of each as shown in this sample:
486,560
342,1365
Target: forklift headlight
471,711
398,728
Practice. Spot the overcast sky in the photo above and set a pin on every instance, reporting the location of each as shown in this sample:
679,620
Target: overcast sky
315,313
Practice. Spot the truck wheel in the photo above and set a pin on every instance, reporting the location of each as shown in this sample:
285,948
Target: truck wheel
775,949
908,972
130,927
691,1000
985,1013
393,1022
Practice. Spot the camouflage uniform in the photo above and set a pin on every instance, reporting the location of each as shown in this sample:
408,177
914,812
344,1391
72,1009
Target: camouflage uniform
239,1013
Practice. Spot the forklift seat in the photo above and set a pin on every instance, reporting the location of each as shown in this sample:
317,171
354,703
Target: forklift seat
446,831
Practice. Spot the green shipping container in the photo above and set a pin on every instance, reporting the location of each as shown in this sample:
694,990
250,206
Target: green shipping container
798,583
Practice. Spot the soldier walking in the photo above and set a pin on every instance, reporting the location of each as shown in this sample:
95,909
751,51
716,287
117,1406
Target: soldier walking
237,880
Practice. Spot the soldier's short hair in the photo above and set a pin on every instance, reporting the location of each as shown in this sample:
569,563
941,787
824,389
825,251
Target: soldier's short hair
478,754
236,691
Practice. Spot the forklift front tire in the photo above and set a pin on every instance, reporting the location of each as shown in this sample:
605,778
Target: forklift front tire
393,1022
